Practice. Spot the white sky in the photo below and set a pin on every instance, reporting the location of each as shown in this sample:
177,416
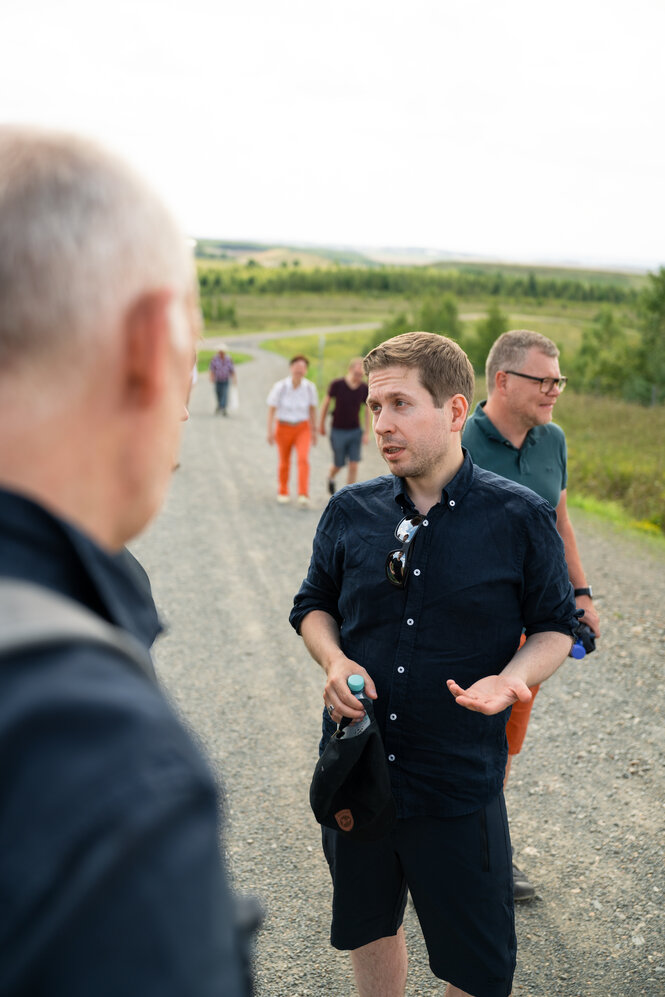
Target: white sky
512,128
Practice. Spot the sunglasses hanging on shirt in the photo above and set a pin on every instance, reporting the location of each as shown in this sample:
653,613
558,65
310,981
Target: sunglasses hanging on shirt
397,560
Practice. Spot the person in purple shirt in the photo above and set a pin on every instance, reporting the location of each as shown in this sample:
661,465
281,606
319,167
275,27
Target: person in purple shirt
346,434
222,375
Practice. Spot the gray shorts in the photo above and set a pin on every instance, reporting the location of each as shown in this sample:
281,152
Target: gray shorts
346,444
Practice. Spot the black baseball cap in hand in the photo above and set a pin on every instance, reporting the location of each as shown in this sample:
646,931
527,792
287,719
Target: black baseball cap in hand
350,790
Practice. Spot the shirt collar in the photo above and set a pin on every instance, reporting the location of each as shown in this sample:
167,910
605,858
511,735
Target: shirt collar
453,493
486,426
40,547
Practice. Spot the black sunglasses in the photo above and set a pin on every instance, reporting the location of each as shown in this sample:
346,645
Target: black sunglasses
397,560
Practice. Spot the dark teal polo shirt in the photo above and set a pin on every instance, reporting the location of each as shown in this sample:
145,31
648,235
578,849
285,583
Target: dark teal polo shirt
540,463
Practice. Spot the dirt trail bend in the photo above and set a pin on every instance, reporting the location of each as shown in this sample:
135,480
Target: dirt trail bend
586,798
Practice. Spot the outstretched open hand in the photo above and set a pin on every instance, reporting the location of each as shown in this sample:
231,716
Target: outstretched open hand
490,695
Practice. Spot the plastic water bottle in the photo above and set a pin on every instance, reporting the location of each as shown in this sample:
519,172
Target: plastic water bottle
585,642
346,727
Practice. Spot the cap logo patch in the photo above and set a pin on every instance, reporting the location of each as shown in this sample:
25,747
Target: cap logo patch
345,819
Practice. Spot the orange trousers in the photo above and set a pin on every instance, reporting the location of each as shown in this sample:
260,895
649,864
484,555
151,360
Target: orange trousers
519,718
288,436
518,722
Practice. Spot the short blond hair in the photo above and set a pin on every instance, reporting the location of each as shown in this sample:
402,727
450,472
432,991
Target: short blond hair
443,367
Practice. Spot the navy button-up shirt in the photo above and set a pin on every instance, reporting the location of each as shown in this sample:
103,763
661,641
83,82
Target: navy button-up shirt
111,877
486,563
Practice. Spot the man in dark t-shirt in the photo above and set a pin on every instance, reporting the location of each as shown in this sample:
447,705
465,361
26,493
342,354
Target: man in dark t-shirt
346,433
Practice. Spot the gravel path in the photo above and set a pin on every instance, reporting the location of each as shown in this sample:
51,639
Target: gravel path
586,798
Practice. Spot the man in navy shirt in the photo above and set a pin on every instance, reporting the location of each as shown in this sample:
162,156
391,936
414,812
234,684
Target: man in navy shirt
421,582
111,874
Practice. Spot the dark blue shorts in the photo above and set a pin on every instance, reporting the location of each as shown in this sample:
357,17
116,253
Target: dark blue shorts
346,445
459,874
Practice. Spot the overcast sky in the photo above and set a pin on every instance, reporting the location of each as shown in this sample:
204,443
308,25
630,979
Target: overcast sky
518,129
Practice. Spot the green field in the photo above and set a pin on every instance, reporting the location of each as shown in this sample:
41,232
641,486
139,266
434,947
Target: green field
562,321
616,450
277,312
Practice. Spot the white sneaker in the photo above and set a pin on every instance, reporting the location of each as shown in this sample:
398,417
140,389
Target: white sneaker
303,501
282,499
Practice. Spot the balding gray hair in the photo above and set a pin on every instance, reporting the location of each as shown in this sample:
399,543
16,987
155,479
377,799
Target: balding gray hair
510,350
81,237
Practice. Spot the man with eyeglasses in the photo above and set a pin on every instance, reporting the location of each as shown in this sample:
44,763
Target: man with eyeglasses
512,434
422,581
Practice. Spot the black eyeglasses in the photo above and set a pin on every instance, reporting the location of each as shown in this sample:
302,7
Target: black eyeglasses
397,560
546,383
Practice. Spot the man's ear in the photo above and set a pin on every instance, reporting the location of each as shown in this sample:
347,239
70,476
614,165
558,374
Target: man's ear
500,381
147,345
460,409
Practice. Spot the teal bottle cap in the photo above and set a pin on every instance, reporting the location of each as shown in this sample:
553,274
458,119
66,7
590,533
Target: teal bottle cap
356,683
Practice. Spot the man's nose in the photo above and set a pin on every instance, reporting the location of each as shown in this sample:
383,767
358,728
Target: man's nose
382,422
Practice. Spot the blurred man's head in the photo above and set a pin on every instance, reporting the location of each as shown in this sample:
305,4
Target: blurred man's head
356,372
98,321
298,365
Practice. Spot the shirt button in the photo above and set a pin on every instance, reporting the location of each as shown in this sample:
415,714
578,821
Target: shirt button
416,572
391,758
452,503
393,716
400,669
409,622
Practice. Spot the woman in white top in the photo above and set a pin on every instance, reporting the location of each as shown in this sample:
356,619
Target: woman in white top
292,404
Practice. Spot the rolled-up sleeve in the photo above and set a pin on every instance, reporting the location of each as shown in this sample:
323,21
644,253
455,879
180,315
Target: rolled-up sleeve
548,602
321,587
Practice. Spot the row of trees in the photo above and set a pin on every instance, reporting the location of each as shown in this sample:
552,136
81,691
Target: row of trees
406,281
609,360
441,316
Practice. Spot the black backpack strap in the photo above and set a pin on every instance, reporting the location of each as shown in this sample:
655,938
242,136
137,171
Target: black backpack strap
34,617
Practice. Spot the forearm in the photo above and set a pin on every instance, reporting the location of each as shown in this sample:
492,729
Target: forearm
320,633
271,421
322,417
576,573
539,657
573,559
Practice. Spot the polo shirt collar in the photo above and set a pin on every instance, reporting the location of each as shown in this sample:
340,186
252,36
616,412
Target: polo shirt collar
486,426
